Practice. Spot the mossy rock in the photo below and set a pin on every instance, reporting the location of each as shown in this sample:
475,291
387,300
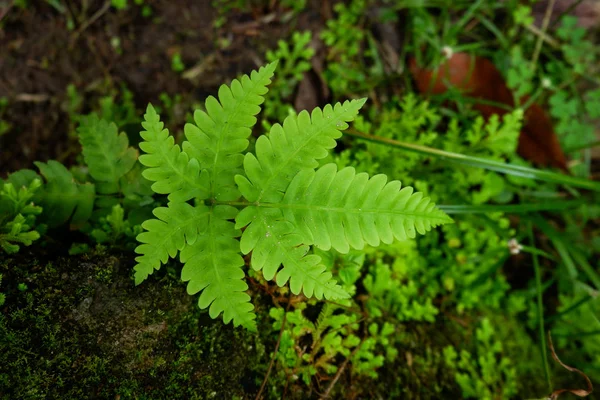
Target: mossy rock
82,330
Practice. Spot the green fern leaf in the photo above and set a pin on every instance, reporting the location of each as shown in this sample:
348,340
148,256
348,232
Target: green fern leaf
220,134
106,152
298,144
62,198
172,171
344,209
177,224
17,231
273,243
213,265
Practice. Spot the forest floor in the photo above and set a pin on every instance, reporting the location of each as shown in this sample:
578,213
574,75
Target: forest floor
79,327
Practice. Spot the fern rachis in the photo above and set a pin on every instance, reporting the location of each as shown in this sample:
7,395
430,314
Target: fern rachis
284,203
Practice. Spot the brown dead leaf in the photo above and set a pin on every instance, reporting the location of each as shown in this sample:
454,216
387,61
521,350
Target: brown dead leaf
478,78
576,392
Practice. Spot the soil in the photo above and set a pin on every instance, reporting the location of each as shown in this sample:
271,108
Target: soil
40,57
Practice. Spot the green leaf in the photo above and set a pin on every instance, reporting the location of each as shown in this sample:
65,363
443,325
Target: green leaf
299,143
344,209
219,135
485,163
213,265
273,243
106,152
17,231
172,171
177,224
62,198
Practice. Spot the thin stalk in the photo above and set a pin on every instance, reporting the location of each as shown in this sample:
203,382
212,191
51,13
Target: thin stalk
458,27
479,162
494,29
577,335
540,309
567,256
572,307
583,146
511,208
535,250
540,41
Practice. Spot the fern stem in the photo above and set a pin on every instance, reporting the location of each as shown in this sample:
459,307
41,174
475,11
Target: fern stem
479,162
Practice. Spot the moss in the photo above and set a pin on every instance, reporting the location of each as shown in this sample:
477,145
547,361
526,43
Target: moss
82,330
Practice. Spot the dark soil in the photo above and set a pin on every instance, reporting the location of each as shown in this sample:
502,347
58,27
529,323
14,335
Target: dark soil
40,57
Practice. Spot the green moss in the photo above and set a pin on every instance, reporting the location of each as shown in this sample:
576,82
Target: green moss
82,330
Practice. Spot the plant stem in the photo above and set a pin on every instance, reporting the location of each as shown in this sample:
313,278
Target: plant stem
501,167
540,308
511,208
540,41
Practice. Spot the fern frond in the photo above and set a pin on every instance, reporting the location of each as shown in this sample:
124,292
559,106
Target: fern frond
342,209
177,224
220,134
274,243
213,265
298,144
62,198
106,152
172,171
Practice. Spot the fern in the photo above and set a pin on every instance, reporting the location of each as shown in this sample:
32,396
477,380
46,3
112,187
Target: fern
17,211
106,153
284,204
62,198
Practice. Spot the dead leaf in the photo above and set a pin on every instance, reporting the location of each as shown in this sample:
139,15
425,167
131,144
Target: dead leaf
576,392
479,78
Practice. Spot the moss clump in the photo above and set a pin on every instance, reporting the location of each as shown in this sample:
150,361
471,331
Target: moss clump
81,330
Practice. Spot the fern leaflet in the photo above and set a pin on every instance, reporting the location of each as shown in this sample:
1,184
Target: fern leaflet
299,143
213,265
62,198
274,242
106,152
220,134
177,224
342,209
173,171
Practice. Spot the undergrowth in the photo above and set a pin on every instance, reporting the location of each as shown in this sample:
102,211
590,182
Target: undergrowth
312,248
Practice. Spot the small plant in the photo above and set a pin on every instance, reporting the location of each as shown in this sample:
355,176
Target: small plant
177,64
293,61
4,126
277,193
17,211
2,295
488,375
94,199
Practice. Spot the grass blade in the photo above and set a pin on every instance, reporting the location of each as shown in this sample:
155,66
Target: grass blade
540,308
478,162
511,208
